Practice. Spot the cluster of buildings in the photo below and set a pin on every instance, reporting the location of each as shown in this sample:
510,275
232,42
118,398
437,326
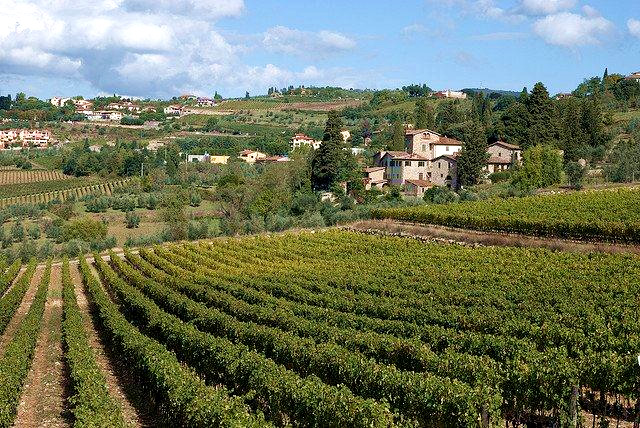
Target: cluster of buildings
24,138
458,95
249,156
113,112
199,101
301,140
429,160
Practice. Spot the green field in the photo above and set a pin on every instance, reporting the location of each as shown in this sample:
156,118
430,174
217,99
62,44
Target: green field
606,214
353,330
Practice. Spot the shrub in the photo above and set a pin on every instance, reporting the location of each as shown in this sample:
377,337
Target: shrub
34,231
86,229
575,174
17,231
440,195
500,176
195,199
132,220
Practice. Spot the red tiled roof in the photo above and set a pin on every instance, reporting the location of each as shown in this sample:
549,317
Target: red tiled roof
405,156
453,157
446,141
374,169
506,145
500,161
302,137
420,183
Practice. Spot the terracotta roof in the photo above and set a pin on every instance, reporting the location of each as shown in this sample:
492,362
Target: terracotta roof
446,141
405,156
505,145
497,160
246,152
453,157
374,169
302,137
420,183
419,131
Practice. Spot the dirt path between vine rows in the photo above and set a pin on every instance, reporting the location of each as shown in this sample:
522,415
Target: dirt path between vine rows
121,384
45,392
22,310
470,237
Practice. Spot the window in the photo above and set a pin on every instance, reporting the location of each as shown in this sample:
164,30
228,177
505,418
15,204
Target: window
446,148
420,163
407,163
441,175
499,154
424,147
438,165
420,176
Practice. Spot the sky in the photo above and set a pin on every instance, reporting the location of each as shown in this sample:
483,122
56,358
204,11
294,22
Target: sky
164,48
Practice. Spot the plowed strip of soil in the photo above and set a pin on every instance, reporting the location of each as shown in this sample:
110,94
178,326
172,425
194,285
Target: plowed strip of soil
136,409
44,398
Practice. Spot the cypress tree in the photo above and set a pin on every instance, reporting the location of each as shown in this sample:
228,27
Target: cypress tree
328,159
473,156
397,140
540,106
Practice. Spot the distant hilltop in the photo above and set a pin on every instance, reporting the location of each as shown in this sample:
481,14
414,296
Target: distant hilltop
487,91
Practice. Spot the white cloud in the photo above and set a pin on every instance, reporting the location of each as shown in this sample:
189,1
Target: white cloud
634,27
305,43
573,30
210,9
149,47
546,7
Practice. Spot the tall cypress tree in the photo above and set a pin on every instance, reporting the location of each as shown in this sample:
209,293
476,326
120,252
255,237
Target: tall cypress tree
328,159
540,106
473,156
397,139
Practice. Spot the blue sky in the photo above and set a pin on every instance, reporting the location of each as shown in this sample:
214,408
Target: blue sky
160,48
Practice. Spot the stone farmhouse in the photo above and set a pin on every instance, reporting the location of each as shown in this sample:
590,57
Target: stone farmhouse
374,177
430,159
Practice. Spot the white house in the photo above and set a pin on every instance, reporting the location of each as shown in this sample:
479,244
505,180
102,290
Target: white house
198,158
300,140
451,94
59,102
174,110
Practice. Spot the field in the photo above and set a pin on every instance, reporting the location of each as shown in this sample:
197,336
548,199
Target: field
47,191
33,176
329,328
606,214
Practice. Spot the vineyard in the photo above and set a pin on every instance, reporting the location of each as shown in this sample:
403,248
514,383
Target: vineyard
18,176
612,215
45,192
336,328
